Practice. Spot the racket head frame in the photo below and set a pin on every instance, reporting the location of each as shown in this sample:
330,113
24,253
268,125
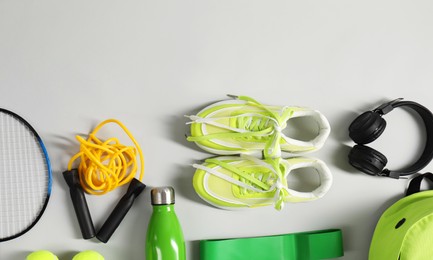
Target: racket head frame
49,172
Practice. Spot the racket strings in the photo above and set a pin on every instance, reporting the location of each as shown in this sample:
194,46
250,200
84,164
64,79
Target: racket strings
25,182
106,165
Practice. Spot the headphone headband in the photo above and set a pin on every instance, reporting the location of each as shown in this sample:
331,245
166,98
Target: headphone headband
427,154
387,107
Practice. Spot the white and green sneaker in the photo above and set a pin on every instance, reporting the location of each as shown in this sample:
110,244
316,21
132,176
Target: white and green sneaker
244,125
244,181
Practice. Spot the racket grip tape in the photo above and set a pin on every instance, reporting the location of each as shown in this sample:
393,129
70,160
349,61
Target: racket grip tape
80,203
120,211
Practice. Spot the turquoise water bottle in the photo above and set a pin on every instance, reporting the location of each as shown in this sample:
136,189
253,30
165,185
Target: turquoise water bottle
164,240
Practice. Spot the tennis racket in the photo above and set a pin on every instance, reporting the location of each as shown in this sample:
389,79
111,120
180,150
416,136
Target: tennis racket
25,176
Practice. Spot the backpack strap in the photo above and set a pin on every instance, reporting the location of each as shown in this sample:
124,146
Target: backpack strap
415,183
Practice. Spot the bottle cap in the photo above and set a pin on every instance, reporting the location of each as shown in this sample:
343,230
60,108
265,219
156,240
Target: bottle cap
162,196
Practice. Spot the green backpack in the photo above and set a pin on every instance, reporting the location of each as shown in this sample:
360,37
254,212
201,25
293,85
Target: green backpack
405,230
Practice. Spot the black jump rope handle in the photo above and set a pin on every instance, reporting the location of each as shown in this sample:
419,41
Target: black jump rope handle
80,203
119,212
83,213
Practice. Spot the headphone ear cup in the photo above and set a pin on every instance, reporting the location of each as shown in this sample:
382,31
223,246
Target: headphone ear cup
367,127
367,160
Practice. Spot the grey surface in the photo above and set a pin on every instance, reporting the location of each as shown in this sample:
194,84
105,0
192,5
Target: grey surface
67,65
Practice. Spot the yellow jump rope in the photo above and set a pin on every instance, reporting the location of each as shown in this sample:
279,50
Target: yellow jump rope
104,166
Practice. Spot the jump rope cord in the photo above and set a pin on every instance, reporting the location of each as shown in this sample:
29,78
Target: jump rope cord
106,165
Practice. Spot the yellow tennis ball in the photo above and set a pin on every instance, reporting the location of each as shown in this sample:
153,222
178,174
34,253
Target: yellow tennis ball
88,255
42,255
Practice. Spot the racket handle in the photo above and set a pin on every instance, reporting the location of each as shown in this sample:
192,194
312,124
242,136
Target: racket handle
80,203
119,212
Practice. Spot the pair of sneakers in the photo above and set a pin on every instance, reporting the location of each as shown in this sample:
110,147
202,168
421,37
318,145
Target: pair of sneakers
240,129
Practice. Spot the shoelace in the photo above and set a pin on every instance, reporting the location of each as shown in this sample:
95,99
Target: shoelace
270,124
278,184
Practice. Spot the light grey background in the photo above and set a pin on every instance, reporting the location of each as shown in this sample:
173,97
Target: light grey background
67,65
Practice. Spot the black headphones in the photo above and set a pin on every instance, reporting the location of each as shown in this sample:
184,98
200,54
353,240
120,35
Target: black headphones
368,126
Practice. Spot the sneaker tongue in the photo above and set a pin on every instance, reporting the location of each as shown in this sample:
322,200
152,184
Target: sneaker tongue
251,123
259,173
